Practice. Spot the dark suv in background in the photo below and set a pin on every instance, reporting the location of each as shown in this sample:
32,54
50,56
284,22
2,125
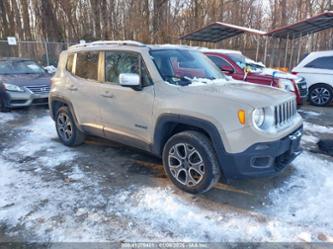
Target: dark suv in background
22,83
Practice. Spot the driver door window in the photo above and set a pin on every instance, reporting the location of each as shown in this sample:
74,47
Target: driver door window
117,63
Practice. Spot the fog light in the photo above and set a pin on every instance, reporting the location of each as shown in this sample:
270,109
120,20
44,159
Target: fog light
261,162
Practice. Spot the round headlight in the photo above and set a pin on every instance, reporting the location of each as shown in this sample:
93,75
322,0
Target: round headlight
286,85
258,117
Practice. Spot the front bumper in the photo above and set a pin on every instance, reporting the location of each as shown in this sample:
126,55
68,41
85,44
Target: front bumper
263,159
24,99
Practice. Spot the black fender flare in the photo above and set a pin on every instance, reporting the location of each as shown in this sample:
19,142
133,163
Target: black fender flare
166,122
67,103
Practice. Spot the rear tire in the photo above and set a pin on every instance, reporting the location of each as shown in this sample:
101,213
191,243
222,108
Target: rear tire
321,95
67,131
190,162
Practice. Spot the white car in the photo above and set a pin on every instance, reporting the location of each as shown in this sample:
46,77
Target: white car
317,69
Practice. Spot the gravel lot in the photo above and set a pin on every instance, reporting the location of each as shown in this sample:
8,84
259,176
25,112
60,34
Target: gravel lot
104,191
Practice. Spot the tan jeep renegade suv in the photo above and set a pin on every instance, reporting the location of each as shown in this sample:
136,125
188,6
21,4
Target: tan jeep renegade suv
173,102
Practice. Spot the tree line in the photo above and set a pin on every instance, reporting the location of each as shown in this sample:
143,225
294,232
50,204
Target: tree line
149,21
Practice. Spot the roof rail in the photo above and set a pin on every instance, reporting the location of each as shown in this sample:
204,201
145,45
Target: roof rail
99,43
124,43
77,46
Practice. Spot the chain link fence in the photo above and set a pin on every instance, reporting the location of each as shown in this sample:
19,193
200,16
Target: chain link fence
45,53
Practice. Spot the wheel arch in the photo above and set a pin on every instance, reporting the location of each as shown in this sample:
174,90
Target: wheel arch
321,83
169,124
57,102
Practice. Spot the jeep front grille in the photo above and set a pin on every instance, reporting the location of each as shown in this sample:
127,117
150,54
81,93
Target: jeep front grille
285,112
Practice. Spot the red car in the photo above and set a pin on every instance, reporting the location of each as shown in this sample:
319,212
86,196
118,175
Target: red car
235,64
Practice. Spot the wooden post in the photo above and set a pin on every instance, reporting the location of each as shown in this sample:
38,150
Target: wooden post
258,45
47,53
286,51
273,52
292,52
265,54
299,48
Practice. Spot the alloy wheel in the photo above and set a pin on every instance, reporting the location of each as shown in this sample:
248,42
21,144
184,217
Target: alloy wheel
186,164
320,96
64,126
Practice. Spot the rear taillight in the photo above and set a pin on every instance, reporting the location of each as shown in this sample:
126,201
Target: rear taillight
294,73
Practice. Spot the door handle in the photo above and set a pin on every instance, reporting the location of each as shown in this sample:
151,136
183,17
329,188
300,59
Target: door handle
107,95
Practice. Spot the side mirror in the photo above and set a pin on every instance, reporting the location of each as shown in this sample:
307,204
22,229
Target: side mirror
130,80
227,69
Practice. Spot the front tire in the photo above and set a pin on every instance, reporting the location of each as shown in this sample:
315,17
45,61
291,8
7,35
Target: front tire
321,95
190,162
67,131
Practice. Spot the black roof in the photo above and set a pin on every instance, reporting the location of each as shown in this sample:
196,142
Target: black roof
219,31
311,25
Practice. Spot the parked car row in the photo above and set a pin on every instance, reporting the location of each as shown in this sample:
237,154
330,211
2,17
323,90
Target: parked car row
204,121
23,82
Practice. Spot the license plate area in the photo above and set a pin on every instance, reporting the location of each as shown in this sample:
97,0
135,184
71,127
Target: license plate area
295,140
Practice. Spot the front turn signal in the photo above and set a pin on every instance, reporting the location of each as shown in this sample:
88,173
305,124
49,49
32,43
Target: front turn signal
241,117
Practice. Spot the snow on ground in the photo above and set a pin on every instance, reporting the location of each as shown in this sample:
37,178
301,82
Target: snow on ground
309,113
6,117
47,196
317,128
300,210
309,139
306,198
38,143
179,219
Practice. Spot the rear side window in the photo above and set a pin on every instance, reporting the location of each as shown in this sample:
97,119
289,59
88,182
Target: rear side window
321,63
117,63
69,65
87,65
218,61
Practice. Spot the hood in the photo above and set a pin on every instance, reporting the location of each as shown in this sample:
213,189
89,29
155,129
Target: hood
250,61
241,92
26,79
279,74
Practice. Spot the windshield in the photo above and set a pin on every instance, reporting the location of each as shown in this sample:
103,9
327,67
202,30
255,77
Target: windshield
243,62
182,67
20,67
